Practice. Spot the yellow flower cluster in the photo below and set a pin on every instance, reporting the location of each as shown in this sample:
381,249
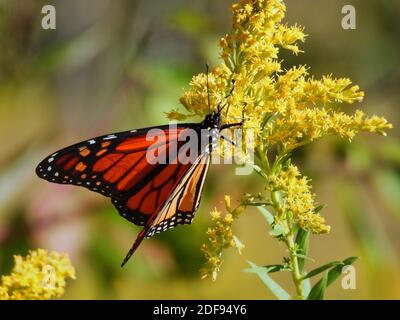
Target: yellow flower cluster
285,109
40,275
298,201
299,108
220,237
304,126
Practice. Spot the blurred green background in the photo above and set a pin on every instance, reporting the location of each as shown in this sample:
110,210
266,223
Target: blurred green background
112,66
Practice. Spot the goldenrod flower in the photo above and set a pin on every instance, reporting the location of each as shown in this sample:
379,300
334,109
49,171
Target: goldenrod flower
40,275
299,108
285,108
299,201
220,237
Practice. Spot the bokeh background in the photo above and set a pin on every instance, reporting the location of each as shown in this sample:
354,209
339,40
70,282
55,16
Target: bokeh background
117,65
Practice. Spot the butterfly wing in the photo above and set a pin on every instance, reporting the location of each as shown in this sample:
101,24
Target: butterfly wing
180,206
184,202
152,196
139,203
116,166
157,196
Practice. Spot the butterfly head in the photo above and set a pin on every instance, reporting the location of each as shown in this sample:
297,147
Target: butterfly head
212,120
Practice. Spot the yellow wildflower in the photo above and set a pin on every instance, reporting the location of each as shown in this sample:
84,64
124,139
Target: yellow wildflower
220,237
298,107
299,201
40,275
284,108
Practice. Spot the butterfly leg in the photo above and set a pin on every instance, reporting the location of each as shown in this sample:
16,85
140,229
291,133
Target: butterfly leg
230,125
228,140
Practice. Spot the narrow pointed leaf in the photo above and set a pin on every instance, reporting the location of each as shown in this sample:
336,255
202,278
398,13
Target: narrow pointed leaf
306,287
277,230
275,268
319,288
335,272
258,170
318,291
275,288
302,240
319,208
320,269
266,214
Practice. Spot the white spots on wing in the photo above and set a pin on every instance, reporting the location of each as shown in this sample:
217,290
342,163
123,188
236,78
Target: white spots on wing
92,141
170,223
50,159
56,174
54,154
49,168
133,130
109,137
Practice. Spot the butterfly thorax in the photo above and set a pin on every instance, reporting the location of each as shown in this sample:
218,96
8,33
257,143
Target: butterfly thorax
211,125
212,121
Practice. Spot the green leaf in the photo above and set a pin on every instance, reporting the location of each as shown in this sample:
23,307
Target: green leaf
302,240
275,288
318,291
319,208
275,268
320,269
266,214
277,230
335,272
258,170
350,260
306,287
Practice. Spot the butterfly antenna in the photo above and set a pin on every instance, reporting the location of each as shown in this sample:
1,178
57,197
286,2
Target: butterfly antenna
227,96
208,90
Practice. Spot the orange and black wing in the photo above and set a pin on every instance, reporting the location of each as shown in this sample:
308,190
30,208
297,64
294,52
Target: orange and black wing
116,166
157,196
181,204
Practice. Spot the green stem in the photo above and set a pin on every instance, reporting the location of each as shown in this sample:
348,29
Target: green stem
294,264
260,153
289,239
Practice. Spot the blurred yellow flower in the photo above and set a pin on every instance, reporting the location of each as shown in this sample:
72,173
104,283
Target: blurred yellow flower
38,276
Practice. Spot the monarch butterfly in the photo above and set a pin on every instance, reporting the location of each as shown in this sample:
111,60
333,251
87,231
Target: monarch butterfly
157,196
